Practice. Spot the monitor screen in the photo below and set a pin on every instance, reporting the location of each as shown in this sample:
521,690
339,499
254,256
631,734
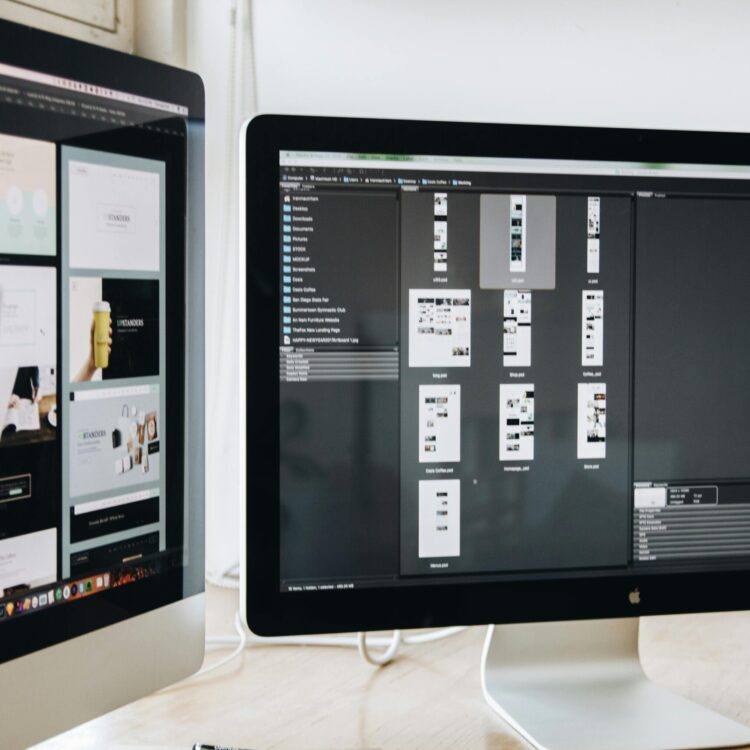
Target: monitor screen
510,369
96,204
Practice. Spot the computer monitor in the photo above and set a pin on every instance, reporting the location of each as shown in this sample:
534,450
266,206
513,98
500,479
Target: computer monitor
498,374
101,380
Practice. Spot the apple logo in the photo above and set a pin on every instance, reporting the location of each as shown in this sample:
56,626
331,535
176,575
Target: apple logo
634,597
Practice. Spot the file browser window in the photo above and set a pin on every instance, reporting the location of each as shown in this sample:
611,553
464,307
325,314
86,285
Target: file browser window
534,364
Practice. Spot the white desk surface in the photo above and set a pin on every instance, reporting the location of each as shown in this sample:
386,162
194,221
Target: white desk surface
312,698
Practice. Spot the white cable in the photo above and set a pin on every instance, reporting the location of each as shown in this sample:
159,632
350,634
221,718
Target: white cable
344,641
223,583
293,640
231,570
227,578
435,635
379,660
332,641
391,645
241,643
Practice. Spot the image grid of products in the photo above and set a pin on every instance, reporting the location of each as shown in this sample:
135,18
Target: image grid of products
592,420
592,328
592,235
115,232
516,422
440,227
439,327
439,423
516,328
439,518
517,233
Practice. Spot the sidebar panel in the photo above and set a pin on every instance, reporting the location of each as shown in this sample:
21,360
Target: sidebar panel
339,345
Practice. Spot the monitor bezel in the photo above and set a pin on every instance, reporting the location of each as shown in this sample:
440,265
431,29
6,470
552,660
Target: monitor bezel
61,628
267,610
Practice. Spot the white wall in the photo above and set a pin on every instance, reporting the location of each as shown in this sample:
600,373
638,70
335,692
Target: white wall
218,48
161,30
108,23
639,63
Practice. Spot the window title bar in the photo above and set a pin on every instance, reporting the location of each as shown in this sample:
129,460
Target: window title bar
516,165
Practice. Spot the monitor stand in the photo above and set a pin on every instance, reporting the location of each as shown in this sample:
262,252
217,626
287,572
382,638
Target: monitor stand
580,686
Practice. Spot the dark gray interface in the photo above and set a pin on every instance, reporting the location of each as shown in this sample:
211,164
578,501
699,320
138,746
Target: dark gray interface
511,368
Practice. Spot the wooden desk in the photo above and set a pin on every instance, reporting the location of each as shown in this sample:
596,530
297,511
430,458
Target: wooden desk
430,698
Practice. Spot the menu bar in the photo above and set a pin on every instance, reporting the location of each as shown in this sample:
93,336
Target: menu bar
90,89
406,162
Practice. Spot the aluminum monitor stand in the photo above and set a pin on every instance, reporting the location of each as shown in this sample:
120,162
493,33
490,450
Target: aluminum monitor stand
580,686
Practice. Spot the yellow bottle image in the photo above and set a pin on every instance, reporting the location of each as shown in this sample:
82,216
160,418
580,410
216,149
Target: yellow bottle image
102,314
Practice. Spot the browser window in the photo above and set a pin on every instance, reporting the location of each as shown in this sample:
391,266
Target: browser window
92,222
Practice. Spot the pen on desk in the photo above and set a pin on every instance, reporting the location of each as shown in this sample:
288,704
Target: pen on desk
200,746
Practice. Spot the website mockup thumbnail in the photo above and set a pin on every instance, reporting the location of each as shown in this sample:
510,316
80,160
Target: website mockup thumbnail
115,209
132,313
114,439
28,197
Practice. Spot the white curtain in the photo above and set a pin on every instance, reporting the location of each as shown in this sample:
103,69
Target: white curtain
219,48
